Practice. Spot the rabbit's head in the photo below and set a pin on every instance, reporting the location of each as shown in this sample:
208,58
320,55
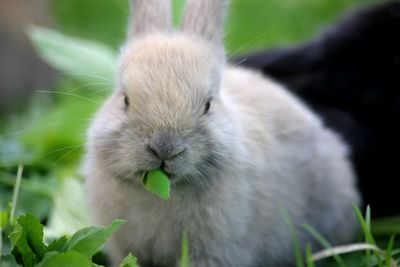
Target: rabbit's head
168,110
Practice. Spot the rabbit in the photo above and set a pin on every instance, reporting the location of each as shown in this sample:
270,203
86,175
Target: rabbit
239,150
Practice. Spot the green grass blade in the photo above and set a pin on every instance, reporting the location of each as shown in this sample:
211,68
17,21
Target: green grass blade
309,260
177,10
389,250
324,243
371,237
185,251
1,237
293,234
366,224
366,227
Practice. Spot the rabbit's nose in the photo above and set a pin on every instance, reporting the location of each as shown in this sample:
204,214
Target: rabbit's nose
166,145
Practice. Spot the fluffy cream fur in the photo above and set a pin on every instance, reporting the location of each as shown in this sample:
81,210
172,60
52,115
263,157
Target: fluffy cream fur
257,153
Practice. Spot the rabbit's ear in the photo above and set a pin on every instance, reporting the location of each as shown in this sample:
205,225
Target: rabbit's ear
150,16
205,18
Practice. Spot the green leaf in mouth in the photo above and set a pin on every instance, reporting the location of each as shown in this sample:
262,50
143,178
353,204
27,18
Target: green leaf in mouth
157,182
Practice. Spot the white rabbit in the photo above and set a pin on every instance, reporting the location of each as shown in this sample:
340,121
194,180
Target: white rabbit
238,149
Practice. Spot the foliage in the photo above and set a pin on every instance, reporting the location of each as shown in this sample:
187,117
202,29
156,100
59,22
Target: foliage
26,244
76,55
22,241
157,182
101,20
358,254
129,261
251,23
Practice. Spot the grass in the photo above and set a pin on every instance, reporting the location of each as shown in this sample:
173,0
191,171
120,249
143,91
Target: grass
388,257
364,252
325,244
373,255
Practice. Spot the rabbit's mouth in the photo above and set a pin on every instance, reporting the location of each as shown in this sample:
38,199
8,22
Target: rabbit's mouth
168,167
170,170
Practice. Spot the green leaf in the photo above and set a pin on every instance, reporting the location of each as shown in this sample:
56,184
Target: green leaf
157,182
5,230
89,61
16,234
89,240
27,239
129,261
8,261
58,244
65,259
5,216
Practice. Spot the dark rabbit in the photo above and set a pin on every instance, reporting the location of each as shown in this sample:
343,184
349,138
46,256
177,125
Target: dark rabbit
350,76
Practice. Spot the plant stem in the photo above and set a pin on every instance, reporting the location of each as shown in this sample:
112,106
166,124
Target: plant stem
15,193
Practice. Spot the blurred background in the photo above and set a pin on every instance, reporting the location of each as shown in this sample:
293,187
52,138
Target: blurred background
52,78
251,24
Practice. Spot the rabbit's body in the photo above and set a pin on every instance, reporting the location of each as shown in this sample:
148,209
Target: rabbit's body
235,168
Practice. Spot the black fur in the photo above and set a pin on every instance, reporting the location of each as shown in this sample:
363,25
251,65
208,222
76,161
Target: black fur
351,76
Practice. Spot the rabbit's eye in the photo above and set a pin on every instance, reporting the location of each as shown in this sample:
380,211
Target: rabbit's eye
207,107
126,101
